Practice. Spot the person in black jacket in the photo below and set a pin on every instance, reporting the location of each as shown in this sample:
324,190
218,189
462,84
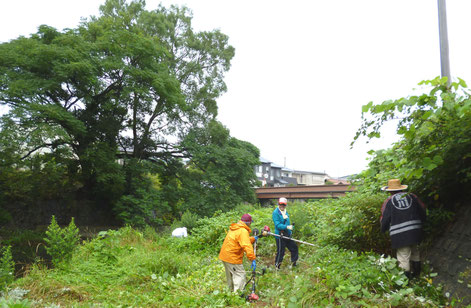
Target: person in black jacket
403,215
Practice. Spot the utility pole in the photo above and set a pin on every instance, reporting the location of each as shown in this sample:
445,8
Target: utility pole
443,33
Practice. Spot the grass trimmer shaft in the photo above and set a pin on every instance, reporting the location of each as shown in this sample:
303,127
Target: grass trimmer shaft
266,231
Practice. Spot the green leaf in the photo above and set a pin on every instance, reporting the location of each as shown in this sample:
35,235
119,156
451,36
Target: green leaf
437,159
417,173
427,114
366,108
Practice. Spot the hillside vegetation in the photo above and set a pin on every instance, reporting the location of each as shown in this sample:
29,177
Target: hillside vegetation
145,268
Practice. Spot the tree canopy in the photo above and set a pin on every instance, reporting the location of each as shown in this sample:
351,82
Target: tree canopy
129,83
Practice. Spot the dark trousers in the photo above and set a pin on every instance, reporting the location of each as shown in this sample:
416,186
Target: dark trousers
281,244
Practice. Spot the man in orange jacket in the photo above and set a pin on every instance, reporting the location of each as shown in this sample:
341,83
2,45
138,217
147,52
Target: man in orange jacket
232,252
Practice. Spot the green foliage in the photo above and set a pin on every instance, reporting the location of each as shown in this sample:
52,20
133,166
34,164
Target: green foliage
61,242
12,303
5,216
124,267
298,213
7,267
436,219
28,178
189,220
26,245
432,156
132,268
143,202
144,207
75,95
220,173
351,222
210,232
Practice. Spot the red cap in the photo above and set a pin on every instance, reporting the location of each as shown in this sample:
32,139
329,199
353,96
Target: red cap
246,218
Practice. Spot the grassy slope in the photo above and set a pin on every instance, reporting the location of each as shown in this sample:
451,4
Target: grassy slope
145,269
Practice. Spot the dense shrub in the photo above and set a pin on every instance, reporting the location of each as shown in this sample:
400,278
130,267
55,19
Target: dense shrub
7,267
189,220
144,207
351,222
61,242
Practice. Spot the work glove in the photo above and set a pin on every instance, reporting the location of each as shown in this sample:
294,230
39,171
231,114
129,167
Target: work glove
256,238
290,227
254,265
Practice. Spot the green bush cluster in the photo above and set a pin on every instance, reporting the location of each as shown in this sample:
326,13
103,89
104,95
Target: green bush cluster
61,242
338,277
7,267
128,267
351,222
189,220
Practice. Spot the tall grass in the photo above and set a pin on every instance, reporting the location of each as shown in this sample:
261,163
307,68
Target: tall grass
128,267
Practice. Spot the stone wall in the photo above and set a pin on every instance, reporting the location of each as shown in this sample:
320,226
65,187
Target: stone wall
34,215
450,257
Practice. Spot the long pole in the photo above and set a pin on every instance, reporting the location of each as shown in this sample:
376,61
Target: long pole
289,238
443,34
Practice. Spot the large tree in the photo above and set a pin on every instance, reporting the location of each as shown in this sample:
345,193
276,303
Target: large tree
128,77
129,84
220,174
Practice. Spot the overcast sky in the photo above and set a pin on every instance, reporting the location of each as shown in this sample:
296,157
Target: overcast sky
302,69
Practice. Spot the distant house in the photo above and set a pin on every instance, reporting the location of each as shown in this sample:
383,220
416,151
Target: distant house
273,175
287,175
263,171
340,180
309,177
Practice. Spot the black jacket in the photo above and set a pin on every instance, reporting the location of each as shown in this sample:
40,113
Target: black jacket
403,215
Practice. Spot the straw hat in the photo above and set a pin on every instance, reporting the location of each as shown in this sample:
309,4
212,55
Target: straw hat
394,185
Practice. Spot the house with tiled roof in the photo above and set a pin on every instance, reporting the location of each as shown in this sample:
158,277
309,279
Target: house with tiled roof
271,174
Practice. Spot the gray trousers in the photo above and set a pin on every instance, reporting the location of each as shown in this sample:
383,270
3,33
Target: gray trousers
235,275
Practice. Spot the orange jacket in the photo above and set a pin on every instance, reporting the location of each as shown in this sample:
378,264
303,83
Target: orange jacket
236,242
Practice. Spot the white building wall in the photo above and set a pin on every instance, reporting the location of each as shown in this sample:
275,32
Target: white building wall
305,178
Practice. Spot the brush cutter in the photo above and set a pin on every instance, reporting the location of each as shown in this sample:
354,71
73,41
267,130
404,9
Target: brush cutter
253,296
266,231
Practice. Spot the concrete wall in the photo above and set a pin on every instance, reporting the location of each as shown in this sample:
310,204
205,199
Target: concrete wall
39,214
450,257
305,178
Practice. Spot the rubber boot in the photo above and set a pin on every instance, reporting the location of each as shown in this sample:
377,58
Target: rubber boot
416,268
408,275
277,266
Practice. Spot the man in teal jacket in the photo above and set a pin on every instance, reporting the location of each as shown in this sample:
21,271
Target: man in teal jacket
283,227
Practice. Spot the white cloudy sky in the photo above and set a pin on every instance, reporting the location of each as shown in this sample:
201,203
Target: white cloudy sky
303,68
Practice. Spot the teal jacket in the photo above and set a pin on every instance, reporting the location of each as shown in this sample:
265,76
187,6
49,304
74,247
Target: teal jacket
280,223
